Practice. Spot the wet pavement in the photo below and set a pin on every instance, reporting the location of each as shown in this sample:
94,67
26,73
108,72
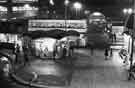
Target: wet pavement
87,71
49,72
83,70
96,72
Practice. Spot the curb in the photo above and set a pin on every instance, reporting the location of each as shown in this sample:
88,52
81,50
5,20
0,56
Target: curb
21,81
30,84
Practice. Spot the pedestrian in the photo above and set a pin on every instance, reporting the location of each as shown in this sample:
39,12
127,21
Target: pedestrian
91,47
17,51
106,53
64,52
26,46
114,37
92,50
111,52
111,37
26,58
71,48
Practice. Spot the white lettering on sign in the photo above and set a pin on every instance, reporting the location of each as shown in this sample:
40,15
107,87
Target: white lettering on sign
58,24
23,1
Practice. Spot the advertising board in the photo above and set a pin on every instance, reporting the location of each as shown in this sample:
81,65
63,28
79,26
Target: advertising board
78,25
23,1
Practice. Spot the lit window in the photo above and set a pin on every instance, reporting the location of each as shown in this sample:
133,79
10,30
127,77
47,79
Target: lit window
15,8
2,8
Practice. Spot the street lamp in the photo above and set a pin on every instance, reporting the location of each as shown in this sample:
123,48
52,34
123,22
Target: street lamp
77,6
130,11
127,11
52,4
66,2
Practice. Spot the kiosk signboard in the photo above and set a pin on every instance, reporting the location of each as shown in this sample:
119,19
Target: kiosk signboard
78,25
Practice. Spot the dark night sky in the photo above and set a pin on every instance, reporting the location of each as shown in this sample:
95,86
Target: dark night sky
112,8
99,2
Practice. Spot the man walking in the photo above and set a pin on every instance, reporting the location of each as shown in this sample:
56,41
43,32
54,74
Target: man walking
106,53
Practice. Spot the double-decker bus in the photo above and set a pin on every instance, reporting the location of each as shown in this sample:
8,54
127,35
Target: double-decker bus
98,32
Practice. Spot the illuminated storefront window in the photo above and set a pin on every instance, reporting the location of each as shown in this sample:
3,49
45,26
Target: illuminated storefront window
3,37
3,12
3,9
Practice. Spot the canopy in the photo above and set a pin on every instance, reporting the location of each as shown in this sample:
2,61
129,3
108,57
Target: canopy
58,34
72,33
34,34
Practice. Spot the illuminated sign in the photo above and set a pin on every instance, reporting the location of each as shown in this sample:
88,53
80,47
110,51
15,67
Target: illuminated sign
78,25
3,1
24,11
24,1
24,8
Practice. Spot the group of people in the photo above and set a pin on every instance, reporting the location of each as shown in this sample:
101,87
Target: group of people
107,53
21,53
